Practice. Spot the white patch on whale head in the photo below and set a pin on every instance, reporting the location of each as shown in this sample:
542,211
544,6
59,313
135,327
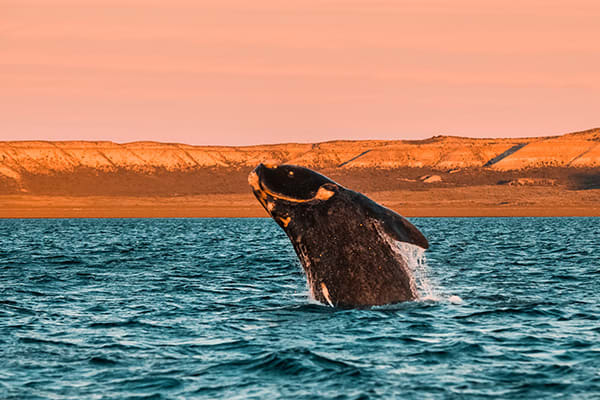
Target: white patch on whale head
285,221
254,181
324,194
270,206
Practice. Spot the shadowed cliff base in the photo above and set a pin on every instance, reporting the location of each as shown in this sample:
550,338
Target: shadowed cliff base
585,180
225,193
201,181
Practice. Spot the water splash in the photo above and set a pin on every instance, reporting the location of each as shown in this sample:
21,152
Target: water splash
417,262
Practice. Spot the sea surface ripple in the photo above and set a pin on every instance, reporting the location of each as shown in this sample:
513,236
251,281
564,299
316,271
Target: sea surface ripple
218,308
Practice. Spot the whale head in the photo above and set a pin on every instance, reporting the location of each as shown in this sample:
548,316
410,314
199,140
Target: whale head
282,189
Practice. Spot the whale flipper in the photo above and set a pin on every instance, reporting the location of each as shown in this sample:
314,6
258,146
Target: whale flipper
393,223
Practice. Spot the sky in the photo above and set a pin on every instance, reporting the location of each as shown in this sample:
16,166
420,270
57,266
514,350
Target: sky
233,72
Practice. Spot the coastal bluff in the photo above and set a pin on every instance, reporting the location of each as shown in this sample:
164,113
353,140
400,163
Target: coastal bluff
580,149
171,169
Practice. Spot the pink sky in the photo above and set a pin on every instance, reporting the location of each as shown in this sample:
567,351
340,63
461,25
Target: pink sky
247,72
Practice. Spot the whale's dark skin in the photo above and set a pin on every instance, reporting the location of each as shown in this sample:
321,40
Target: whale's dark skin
344,240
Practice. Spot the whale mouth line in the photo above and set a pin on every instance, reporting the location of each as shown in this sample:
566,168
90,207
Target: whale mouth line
259,186
278,196
322,194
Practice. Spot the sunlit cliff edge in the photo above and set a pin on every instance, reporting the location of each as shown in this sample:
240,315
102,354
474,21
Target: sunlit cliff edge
34,166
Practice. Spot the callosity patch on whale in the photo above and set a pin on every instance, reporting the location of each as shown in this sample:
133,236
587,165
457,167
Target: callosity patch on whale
344,240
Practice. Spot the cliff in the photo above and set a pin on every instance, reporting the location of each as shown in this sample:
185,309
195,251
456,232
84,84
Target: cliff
41,166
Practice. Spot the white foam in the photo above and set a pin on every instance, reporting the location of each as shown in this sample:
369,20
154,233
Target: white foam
417,263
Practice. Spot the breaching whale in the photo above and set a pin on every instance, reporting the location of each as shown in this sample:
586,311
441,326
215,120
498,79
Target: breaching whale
344,240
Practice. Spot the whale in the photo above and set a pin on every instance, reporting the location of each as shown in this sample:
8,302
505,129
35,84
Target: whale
346,242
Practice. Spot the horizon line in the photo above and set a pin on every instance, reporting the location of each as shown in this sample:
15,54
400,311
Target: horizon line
305,143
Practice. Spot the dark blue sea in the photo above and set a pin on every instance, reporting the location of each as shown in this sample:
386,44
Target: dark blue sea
219,309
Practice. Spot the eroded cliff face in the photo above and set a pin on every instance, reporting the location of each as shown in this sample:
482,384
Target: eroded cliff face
25,164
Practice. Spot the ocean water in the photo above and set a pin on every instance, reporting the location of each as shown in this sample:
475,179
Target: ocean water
218,308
